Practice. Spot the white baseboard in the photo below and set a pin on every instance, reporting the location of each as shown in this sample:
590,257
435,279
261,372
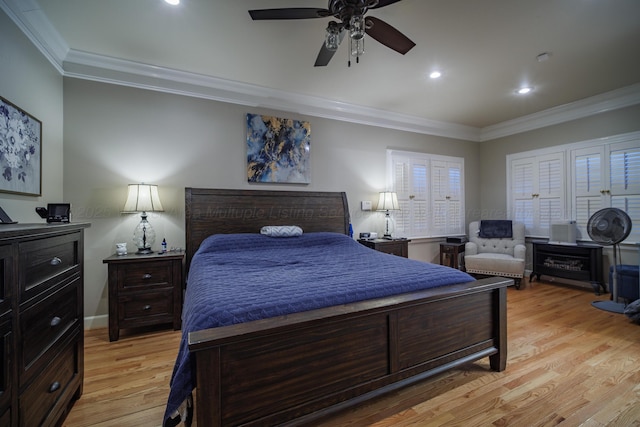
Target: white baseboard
95,322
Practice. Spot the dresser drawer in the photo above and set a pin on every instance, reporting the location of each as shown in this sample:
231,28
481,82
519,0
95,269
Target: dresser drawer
5,417
45,262
43,324
6,364
40,398
146,308
143,275
6,279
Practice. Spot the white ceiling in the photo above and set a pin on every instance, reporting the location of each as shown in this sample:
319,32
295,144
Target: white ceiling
486,49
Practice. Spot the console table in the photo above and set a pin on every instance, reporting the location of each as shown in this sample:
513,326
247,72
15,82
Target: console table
581,262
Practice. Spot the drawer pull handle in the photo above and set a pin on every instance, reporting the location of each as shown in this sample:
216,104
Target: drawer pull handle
53,387
146,307
146,276
56,261
55,321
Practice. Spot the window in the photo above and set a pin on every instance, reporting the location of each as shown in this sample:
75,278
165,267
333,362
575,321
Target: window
430,192
607,176
574,181
537,189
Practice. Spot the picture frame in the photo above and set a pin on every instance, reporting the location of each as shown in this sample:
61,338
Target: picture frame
20,151
278,150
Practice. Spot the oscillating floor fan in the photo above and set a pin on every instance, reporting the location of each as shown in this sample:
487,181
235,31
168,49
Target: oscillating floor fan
610,226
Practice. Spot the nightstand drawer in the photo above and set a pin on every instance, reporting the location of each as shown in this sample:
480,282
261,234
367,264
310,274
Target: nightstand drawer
152,273
145,308
45,262
393,248
399,247
448,249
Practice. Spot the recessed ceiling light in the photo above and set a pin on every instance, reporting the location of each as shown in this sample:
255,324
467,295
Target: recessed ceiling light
435,74
524,90
173,2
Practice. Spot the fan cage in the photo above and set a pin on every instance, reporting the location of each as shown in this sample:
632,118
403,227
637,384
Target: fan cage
609,226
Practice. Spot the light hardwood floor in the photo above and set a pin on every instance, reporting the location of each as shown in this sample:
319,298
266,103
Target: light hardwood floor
569,364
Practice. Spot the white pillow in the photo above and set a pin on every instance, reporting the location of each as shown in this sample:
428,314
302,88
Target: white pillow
281,230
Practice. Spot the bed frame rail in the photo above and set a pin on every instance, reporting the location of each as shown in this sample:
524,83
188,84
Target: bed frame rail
297,368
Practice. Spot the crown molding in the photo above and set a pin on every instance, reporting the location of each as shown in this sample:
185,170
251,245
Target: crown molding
608,101
28,16
89,66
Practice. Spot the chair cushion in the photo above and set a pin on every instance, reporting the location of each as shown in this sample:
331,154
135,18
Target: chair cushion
494,264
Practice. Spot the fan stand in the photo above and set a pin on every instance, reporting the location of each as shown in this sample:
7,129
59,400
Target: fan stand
613,305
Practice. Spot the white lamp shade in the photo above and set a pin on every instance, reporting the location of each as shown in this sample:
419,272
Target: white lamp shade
143,198
388,201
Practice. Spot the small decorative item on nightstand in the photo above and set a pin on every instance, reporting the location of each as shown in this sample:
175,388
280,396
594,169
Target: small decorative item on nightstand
144,290
121,248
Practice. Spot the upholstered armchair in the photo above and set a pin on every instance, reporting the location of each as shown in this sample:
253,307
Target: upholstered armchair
496,248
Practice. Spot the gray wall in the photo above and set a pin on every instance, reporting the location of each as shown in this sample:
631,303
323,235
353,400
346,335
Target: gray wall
493,173
29,81
117,135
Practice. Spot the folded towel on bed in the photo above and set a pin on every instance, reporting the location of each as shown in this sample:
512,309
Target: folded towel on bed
496,229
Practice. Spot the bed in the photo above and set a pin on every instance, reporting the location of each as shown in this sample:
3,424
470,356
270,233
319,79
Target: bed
256,359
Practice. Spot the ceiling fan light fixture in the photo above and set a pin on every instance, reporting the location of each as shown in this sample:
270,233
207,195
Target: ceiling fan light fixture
332,37
356,27
357,47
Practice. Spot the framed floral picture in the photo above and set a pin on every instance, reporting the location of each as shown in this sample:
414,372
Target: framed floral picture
278,150
20,151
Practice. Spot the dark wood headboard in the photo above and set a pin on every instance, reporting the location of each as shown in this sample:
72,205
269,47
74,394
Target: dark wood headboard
215,211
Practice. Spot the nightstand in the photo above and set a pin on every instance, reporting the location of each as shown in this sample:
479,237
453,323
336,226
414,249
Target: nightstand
398,247
144,290
450,254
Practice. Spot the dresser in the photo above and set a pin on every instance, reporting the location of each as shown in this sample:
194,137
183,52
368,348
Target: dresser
144,290
41,322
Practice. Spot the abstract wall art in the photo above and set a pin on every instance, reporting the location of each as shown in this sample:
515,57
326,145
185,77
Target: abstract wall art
278,150
20,151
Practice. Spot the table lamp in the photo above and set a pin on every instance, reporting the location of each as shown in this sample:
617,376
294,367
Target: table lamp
143,198
388,201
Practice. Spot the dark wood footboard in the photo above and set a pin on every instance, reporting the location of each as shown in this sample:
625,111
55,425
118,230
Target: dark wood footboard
293,369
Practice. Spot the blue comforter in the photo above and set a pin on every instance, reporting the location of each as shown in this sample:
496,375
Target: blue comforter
235,278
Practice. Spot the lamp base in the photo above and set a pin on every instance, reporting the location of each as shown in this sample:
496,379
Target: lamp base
144,251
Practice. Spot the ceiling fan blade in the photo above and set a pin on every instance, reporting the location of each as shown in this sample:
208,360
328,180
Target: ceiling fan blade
388,36
289,13
383,3
325,55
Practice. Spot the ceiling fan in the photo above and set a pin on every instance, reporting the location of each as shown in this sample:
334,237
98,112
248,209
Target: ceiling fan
350,16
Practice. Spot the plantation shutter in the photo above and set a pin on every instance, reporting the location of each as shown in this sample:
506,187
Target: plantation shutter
624,176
